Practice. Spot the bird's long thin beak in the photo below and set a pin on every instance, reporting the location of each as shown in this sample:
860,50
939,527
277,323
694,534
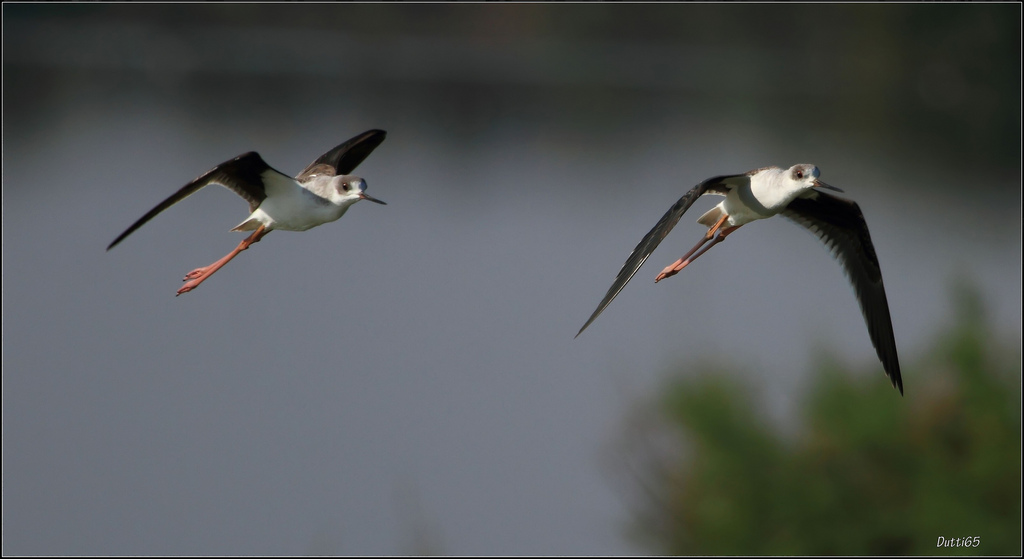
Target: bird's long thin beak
364,196
819,184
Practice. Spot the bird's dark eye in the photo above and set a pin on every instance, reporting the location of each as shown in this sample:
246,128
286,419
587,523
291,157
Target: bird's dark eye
799,174
345,186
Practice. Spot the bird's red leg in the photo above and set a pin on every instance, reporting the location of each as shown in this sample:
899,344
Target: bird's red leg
683,262
199,275
672,269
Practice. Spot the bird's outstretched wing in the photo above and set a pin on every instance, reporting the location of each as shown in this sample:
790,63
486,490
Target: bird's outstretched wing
715,185
344,158
243,175
840,224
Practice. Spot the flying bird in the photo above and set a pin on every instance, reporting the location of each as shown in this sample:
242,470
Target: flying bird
795,193
319,194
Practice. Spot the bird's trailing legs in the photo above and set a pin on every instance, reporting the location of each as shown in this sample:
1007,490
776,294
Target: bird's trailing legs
199,275
683,262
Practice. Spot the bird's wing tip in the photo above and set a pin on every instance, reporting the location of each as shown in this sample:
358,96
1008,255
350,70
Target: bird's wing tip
584,327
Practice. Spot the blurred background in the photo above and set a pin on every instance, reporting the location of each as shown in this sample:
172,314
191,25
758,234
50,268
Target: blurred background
406,380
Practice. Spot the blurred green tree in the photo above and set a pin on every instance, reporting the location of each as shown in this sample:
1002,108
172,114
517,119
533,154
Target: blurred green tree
869,473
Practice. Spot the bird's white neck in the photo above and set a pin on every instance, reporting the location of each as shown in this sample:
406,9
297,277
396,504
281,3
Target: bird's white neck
774,190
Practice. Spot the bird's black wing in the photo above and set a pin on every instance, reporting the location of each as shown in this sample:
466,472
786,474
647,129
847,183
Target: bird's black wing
243,175
716,185
840,224
344,158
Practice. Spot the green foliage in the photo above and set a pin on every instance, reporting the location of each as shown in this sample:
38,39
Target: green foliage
870,473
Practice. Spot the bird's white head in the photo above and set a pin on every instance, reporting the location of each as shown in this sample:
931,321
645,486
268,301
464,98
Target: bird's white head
349,189
803,177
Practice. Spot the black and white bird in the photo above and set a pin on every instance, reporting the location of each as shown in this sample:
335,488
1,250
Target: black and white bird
794,193
320,194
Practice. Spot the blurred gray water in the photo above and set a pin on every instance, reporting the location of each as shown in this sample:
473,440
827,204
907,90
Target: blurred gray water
406,380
